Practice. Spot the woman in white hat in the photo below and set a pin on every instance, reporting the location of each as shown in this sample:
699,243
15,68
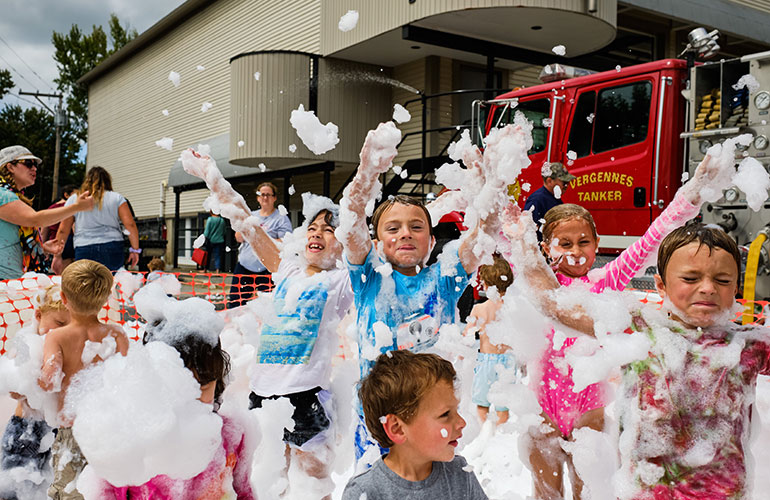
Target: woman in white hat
20,247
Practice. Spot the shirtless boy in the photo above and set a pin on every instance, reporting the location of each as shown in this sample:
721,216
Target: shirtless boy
85,287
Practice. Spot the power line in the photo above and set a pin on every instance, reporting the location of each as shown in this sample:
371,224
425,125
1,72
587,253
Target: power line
25,100
17,72
25,64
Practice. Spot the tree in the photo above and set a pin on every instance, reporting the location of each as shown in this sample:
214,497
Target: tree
77,53
33,128
6,82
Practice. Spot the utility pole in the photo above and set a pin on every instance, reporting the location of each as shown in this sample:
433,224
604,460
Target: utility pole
59,120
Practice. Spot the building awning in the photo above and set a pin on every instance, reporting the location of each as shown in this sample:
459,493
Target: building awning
724,15
179,179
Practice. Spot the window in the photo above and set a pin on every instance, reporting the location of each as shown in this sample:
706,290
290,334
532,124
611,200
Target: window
535,111
622,116
619,118
582,125
189,229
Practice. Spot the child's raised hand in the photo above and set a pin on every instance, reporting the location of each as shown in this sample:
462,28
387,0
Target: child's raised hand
379,148
710,177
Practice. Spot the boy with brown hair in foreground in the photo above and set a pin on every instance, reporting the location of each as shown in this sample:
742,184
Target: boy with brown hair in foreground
85,287
410,407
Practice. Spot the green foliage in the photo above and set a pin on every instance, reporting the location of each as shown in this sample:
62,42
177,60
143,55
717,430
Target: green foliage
77,53
33,128
6,82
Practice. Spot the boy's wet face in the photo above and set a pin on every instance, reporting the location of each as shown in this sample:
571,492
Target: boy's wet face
405,235
433,432
700,282
322,249
573,246
49,320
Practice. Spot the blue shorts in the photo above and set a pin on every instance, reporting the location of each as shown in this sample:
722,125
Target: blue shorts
485,374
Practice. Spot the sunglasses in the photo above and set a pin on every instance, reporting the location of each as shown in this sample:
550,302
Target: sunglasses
27,163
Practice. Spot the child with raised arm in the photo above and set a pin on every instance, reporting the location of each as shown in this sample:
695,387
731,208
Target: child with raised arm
685,410
85,287
312,295
24,445
411,408
393,288
571,242
490,356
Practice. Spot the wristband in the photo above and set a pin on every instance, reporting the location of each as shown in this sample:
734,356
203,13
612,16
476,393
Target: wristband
135,250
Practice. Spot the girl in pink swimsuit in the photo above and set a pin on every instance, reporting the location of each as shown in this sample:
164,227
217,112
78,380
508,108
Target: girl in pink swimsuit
571,241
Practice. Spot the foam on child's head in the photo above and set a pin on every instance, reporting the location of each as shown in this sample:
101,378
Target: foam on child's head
49,299
313,205
710,236
395,386
401,200
563,212
172,321
86,284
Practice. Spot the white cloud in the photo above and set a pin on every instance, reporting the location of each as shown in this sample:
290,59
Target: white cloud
33,42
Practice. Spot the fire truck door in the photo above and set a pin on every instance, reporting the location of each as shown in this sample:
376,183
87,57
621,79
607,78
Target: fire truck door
609,147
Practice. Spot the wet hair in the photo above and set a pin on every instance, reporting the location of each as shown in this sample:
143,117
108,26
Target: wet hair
206,362
49,300
402,200
330,217
87,285
561,213
97,182
493,274
710,236
395,386
156,264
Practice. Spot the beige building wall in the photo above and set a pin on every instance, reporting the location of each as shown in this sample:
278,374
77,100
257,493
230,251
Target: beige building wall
763,5
126,104
380,16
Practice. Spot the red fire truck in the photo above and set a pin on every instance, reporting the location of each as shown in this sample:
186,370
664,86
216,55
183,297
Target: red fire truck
629,135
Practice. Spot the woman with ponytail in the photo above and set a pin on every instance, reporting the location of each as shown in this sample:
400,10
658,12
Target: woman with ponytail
20,247
98,235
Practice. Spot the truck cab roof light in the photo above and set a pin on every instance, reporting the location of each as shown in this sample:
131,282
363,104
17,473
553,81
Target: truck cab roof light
555,72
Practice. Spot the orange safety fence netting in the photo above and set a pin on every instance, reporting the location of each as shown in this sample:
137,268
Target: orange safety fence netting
225,291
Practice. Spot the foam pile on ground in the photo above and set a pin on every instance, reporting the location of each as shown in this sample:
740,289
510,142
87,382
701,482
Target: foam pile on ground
318,138
348,21
559,50
139,416
594,454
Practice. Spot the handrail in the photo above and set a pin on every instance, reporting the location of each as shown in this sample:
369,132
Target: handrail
424,130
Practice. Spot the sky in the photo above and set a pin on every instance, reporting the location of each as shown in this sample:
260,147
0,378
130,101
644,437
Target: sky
26,27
